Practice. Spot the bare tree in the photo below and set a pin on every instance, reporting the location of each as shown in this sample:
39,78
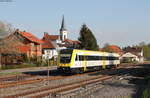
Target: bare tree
106,47
5,29
9,42
141,44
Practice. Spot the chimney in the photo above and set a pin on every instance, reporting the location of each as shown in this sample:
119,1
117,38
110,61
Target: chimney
17,30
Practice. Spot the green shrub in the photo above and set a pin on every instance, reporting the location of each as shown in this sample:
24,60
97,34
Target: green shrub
26,59
31,62
146,93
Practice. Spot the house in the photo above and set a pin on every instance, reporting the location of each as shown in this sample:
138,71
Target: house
133,54
32,46
49,46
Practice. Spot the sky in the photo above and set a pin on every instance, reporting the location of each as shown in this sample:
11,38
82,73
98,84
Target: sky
118,22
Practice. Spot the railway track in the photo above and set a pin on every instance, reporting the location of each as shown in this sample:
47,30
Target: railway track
31,81
59,88
40,91
67,87
46,91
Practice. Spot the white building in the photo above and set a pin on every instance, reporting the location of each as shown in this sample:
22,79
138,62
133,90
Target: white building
134,54
52,44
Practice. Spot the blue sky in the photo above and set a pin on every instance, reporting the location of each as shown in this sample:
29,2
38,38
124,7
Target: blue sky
120,22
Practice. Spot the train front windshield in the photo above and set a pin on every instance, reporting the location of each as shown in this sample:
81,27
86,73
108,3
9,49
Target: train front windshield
65,56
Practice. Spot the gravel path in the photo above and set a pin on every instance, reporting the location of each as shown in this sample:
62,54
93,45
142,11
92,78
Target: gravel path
127,85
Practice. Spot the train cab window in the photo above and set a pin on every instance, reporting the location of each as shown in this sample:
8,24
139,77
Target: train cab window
65,55
65,58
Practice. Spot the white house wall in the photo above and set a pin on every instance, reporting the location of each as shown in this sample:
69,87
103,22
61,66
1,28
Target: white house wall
49,53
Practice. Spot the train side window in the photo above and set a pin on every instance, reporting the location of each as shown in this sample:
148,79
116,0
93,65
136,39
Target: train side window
81,57
112,58
87,57
97,57
100,57
116,58
90,58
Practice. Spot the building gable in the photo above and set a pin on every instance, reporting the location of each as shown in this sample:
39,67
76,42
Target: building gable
128,54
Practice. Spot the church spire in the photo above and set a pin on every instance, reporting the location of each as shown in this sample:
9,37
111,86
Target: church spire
63,28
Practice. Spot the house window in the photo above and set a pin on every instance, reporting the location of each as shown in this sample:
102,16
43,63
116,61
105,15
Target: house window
48,51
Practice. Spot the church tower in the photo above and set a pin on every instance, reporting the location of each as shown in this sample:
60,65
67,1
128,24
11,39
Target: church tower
63,30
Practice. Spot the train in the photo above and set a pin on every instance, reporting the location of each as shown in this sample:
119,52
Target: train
79,61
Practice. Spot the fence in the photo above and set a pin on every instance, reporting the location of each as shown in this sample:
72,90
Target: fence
10,59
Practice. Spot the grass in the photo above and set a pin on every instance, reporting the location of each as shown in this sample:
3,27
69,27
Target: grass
9,73
146,93
24,65
27,65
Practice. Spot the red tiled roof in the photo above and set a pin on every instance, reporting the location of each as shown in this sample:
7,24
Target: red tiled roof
47,40
47,44
53,37
50,37
72,41
114,48
132,49
30,37
100,49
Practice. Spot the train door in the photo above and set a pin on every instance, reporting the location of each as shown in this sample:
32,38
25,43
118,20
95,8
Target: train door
84,62
79,63
103,61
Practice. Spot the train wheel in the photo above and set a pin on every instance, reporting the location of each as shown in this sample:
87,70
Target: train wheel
109,66
98,68
60,70
116,66
79,71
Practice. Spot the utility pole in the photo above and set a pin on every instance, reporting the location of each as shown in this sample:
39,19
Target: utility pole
0,60
48,72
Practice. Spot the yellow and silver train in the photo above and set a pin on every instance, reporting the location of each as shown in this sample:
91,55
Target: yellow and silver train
79,61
